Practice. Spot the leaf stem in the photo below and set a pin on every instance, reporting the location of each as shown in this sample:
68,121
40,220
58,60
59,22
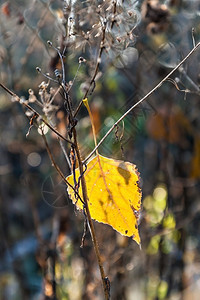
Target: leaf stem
142,100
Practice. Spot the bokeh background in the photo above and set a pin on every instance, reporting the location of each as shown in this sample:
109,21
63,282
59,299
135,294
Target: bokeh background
40,228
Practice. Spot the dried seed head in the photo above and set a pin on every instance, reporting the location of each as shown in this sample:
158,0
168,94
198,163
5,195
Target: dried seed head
22,100
14,99
81,60
32,98
38,69
49,43
52,91
40,92
130,13
43,85
31,92
29,113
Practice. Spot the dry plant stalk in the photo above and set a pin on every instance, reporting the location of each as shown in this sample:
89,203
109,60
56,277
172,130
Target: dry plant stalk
81,163
36,119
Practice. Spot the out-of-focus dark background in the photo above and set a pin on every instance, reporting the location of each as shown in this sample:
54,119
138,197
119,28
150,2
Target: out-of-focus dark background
40,229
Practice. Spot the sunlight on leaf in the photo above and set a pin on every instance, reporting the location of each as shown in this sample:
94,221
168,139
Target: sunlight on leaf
113,192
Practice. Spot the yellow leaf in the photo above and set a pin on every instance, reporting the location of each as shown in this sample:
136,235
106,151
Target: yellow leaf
113,192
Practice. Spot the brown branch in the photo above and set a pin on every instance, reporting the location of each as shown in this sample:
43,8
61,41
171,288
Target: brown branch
141,100
90,223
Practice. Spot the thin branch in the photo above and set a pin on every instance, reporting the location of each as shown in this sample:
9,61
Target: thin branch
35,112
58,169
45,75
61,59
114,13
193,84
79,65
141,100
92,81
65,152
56,92
84,231
193,38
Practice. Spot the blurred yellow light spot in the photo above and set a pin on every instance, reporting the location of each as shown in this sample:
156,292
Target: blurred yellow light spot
162,289
148,202
152,286
160,193
160,198
155,205
167,245
154,217
169,221
153,245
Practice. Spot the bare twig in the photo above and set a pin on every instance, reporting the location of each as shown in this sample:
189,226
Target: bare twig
193,84
35,112
56,92
64,152
61,59
84,231
114,13
141,100
92,81
193,38
75,76
58,169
